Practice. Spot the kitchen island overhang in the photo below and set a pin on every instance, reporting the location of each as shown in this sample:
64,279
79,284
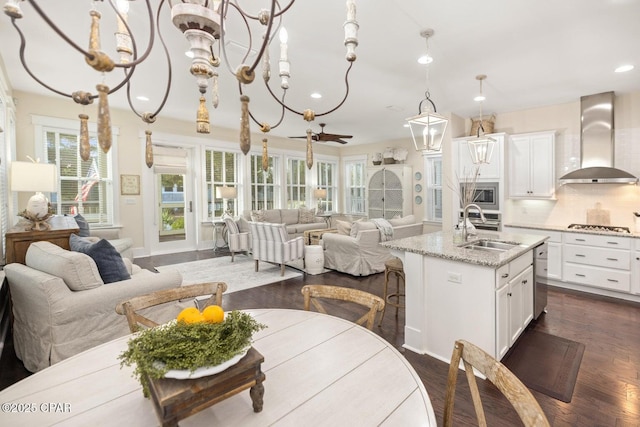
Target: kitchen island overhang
455,292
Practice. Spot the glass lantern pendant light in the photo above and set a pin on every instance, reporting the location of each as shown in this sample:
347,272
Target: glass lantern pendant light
481,147
428,127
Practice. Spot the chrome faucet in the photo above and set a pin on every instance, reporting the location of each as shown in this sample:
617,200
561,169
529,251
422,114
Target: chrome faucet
465,215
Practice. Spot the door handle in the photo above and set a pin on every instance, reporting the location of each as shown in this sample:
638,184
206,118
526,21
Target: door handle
190,206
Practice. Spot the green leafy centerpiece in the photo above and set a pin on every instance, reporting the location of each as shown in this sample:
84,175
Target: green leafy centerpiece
180,345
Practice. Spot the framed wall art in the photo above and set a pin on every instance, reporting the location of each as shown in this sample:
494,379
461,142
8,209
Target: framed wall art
130,185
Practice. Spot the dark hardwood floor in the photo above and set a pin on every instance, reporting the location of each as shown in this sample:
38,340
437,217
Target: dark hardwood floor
607,391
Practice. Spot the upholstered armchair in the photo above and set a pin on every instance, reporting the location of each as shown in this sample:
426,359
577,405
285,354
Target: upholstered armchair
238,242
271,243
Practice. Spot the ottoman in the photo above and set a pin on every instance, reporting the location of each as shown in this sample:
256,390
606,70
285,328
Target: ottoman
314,259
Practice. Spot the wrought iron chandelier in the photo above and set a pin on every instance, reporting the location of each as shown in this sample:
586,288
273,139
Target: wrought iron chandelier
203,24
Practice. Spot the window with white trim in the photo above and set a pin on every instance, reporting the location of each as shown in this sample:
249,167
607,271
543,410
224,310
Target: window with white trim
433,183
221,170
84,187
265,185
355,186
296,183
327,179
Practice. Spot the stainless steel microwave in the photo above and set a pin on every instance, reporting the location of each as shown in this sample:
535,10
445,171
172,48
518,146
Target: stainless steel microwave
486,195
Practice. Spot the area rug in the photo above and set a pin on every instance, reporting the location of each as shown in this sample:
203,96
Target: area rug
238,275
546,363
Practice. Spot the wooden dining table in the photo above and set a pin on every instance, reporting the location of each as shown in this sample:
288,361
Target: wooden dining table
320,370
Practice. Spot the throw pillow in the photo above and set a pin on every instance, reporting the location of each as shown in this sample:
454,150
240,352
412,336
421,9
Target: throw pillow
307,216
407,220
110,264
77,270
344,227
80,244
243,225
258,215
358,226
83,225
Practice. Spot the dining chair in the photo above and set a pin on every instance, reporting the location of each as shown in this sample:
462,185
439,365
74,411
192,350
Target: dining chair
312,294
511,387
130,307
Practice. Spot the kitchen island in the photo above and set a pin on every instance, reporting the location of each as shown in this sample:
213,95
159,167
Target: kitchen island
466,291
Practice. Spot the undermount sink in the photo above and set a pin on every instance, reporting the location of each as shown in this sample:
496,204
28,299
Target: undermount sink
489,245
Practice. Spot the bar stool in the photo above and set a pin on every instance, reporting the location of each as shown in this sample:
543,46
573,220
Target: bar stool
392,266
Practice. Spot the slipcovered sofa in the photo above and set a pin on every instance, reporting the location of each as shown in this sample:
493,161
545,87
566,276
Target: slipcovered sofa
296,221
355,249
62,307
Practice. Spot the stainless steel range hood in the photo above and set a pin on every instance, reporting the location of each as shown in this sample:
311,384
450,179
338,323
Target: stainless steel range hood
597,144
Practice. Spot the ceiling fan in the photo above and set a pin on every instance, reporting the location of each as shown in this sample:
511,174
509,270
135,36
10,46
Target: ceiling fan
326,137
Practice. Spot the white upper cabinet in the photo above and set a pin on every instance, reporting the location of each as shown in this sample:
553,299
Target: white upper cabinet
531,163
489,171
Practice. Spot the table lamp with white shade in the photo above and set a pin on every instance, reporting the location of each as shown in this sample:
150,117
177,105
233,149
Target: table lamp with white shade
228,193
320,194
38,178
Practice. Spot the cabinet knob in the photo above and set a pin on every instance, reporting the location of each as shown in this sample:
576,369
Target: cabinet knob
508,294
505,275
524,282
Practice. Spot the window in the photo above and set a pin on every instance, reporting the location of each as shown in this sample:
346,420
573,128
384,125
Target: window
355,186
85,187
296,183
265,186
433,182
327,180
221,169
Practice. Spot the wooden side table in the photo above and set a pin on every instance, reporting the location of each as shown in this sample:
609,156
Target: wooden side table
175,400
19,237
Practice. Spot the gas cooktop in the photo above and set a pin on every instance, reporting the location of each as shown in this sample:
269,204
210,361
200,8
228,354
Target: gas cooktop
589,227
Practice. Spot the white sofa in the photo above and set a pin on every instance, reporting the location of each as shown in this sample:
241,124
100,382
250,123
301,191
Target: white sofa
296,221
61,306
359,252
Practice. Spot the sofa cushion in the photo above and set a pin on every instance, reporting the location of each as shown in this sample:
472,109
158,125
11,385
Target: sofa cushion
273,216
258,215
407,220
110,264
307,216
243,225
289,216
358,226
78,271
344,227
83,225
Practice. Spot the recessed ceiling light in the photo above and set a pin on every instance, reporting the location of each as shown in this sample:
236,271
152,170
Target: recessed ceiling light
425,59
624,68
479,98
316,95
406,125
189,54
142,98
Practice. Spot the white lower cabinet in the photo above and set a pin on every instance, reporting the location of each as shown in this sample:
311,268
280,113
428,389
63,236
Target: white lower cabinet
514,303
598,261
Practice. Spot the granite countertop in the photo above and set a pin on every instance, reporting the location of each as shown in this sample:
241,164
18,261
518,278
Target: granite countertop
440,244
633,234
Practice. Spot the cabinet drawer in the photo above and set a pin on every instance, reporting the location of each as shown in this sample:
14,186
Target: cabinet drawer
520,264
502,276
616,280
597,256
597,240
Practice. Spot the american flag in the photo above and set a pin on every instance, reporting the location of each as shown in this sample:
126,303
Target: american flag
91,179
